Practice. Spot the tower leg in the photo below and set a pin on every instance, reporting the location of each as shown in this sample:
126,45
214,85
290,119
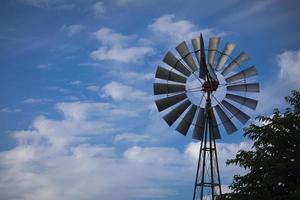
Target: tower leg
207,181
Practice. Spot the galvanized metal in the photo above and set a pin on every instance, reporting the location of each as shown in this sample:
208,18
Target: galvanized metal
240,115
168,75
169,101
187,120
228,49
239,60
247,87
183,51
164,88
212,49
226,121
250,103
174,114
174,62
251,71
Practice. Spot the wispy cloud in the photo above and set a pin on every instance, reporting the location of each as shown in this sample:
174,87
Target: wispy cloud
37,100
98,9
71,30
10,110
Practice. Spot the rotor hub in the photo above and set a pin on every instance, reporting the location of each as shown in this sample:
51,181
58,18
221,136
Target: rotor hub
210,86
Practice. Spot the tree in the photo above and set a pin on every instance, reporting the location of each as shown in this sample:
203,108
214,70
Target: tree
273,164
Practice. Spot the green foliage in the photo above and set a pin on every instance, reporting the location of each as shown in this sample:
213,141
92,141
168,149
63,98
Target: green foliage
273,163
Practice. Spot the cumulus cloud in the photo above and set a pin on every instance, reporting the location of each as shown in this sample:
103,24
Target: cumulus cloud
167,26
289,66
98,9
72,29
118,91
132,138
288,63
115,47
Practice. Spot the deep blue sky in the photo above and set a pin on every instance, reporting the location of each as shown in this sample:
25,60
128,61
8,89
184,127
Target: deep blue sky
77,113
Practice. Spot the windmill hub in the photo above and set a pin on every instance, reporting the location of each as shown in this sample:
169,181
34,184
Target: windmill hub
210,86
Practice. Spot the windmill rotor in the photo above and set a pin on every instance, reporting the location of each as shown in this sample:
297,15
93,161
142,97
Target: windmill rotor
205,91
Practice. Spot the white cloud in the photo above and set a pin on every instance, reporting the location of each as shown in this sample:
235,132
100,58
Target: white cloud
44,66
37,3
289,64
73,29
132,138
93,88
10,110
36,100
77,82
122,54
108,37
98,9
119,92
115,47
78,111
167,27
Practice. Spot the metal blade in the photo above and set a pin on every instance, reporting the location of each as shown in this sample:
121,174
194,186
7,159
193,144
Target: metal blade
200,125
212,49
203,57
183,50
212,72
248,87
228,49
235,63
174,62
251,71
186,122
240,115
214,125
168,75
163,88
227,123
250,103
196,46
165,103
174,114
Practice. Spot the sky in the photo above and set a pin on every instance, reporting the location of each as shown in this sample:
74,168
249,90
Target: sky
78,119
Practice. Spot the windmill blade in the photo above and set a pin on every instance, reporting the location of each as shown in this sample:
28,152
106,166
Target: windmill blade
183,51
240,115
240,59
187,120
228,49
168,75
227,123
174,114
212,49
163,88
247,87
251,71
214,125
169,101
250,103
196,46
172,61
200,125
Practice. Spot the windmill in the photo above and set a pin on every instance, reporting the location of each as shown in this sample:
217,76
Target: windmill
191,91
